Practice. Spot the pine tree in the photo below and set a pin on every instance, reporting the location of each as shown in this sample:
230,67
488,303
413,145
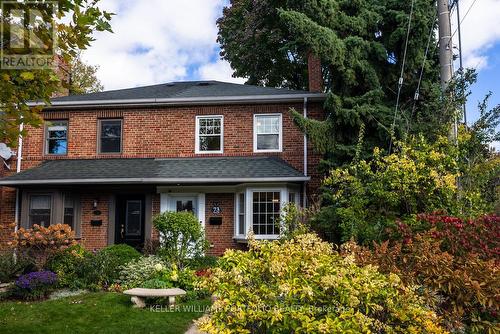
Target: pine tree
361,44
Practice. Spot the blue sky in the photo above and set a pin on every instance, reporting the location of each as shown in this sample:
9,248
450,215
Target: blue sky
157,41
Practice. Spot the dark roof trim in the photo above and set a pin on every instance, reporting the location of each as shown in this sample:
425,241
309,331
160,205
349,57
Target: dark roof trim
154,181
183,101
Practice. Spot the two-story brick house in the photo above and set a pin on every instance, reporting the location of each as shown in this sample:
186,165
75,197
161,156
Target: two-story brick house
106,163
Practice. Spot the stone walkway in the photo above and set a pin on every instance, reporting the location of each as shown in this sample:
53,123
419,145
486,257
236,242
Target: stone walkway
193,330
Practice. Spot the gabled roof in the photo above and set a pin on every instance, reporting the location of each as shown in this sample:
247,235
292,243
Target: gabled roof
187,92
157,171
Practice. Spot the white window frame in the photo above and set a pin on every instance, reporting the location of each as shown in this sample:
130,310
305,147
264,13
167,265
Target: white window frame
197,135
280,141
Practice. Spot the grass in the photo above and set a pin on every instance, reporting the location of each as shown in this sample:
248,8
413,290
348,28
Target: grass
95,313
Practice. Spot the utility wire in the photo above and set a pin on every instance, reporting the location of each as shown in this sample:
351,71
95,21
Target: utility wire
463,18
400,82
417,90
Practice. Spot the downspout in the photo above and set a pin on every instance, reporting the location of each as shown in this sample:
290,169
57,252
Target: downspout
18,169
304,199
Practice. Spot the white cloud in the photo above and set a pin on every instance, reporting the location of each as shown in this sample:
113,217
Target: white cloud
220,70
156,41
480,30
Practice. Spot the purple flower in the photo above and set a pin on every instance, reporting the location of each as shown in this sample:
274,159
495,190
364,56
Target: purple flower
36,280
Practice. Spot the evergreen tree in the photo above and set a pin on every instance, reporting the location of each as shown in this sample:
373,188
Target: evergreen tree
361,44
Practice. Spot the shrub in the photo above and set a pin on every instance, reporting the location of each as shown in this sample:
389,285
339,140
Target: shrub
108,261
136,272
41,242
181,236
11,267
464,288
70,266
35,285
202,262
364,200
303,286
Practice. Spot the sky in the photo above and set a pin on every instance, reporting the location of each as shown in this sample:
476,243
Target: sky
157,41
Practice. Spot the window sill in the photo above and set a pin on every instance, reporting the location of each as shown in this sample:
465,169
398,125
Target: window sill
244,239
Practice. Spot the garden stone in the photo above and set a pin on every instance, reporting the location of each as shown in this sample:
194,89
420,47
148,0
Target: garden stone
139,294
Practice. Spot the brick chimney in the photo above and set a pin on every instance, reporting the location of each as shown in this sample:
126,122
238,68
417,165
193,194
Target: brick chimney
315,73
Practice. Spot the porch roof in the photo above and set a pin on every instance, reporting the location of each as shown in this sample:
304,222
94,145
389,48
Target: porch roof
157,171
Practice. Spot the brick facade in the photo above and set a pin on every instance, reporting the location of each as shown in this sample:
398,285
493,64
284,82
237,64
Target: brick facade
161,133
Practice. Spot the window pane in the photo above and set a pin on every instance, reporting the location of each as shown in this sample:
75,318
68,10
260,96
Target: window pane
110,145
40,207
133,219
266,213
57,133
267,124
268,142
57,146
111,132
210,143
69,211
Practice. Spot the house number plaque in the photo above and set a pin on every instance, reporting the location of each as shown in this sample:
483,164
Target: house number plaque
216,209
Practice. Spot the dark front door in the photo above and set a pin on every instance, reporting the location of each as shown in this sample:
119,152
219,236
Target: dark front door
129,227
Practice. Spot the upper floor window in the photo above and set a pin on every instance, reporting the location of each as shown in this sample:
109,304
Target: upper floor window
267,133
110,136
209,134
56,137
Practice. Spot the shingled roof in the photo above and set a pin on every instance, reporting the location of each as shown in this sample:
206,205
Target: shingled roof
157,171
185,89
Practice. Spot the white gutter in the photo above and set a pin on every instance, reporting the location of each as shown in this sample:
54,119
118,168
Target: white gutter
18,169
184,101
154,180
305,156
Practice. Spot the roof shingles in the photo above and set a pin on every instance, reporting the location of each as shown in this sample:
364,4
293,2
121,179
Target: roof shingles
157,171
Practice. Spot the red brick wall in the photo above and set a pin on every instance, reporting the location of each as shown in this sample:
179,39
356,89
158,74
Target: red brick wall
220,237
161,133
94,237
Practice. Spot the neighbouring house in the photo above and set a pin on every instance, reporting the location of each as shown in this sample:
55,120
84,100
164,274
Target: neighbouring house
106,163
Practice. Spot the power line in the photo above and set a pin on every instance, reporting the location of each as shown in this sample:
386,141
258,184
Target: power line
463,18
400,82
417,90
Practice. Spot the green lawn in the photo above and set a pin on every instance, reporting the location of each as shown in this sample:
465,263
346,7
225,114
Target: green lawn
94,313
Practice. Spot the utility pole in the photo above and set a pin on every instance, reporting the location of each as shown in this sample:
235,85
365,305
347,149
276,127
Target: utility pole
459,28
446,52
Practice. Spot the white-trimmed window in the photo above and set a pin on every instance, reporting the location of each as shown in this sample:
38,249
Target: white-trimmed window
267,133
240,214
266,213
209,134
56,137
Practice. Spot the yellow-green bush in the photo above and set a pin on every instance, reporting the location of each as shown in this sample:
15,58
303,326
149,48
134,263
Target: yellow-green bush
302,285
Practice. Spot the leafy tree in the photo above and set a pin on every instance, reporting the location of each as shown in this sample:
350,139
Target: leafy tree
83,78
18,87
361,45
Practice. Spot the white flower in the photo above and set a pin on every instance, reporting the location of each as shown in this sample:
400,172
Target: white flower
158,267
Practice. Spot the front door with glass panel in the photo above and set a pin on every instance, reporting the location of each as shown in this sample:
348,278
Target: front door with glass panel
129,217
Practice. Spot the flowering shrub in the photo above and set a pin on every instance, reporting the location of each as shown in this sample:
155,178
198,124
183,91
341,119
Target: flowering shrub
11,267
136,272
463,288
40,242
35,285
302,285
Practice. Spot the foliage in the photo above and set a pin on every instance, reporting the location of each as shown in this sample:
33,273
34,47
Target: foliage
40,242
480,236
35,285
295,220
138,271
202,262
107,262
83,77
11,267
71,267
462,287
91,313
362,201
303,286
181,236
74,24
361,45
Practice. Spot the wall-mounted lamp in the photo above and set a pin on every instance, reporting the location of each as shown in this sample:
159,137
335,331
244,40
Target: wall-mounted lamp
94,204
